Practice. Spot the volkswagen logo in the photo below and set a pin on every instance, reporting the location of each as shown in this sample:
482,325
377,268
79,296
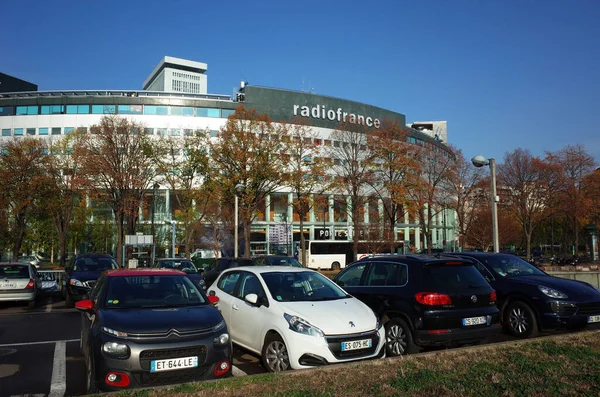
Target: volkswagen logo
473,298
352,324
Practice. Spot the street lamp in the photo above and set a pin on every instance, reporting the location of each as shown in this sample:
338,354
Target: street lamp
174,227
154,193
239,188
480,161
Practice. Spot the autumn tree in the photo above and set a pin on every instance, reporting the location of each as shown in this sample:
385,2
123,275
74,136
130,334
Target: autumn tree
249,153
352,169
305,168
395,171
22,165
528,184
182,164
114,158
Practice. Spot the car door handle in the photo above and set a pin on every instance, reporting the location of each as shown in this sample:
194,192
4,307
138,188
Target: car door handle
235,307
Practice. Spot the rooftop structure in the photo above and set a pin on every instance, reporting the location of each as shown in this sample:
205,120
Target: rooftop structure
178,75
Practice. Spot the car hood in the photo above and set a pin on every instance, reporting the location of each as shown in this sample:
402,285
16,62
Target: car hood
573,288
161,320
341,316
86,276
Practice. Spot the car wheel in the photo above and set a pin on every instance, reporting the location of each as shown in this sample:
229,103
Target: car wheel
275,355
68,300
91,386
335,266
398,338
519,320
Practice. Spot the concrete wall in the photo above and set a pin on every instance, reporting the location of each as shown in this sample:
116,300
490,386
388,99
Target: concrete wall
588,277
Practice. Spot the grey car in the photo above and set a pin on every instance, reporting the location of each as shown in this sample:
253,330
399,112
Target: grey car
19,282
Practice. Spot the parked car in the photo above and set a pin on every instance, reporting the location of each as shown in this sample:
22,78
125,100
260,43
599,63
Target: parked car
149,327
186,266
31,259
81,274
531,300
220,264
19,282
426,301
275,260
295,318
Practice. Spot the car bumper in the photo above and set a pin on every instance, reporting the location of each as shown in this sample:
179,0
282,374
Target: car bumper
17,296
558,314
137,367
309,351
77,293
456,336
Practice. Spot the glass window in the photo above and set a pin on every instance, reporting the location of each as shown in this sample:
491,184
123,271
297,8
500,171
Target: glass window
78,109
351,276
103,109
6,132
384,274
161,131
175,131
250,285
55,130
52,109
69,130
208,112
444,278
26,110
227,112
188,111
302,287
30,131
43,131
18,131
227,283
156,110
7,111
149,131
214,133
181,111
188,132
130,109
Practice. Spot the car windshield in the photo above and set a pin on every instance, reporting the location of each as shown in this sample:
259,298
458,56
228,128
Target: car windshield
92,264
302,287
152,291
283,261
184,265
14,271
510,266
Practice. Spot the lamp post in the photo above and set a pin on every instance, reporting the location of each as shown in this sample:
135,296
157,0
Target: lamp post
480,161
238,189
174,227
154,193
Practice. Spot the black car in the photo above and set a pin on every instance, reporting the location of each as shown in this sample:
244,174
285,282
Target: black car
275,260
424,301
220,264
186,266
149,327
81,272
531,300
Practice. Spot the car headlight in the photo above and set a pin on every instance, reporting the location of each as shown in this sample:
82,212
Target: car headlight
222,339
114,333
117,350
219,326
302,326
552,293
75,283
378,324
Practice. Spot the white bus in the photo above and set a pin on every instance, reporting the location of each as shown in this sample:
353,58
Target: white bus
336,254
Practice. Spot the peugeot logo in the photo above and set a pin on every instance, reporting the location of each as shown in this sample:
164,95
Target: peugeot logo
352,324
473,298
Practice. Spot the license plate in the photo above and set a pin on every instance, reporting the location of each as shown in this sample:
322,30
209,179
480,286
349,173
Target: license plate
357,344
173,363
593,319
9,286
474,320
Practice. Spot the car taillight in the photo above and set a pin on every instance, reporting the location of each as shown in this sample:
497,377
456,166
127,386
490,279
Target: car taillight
30,284
432,298
493,296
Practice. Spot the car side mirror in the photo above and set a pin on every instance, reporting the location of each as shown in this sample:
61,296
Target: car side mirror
85,305
252,299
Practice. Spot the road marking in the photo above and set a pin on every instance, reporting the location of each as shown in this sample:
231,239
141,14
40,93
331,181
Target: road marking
39,343
58,387
235,371
49,305
28,395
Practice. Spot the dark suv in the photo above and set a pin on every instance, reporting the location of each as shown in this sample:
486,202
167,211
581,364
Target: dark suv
211,274
82,271
424,301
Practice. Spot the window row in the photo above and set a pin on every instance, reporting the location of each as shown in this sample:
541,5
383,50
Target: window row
40,131
116,109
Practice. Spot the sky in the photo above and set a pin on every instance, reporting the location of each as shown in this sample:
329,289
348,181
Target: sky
504,74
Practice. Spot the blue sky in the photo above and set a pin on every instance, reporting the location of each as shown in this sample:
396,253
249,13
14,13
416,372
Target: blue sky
504,74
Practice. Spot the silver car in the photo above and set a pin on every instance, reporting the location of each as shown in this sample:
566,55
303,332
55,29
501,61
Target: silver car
19,282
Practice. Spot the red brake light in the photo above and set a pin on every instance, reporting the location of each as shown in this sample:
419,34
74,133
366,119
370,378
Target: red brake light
454,263
493,296
432,298
30,284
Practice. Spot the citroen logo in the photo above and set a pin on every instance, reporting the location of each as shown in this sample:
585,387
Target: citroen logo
352,324
473,298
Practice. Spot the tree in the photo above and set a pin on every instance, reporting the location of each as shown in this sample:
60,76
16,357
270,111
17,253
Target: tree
248,153
306,170
352,169
22,165
395,170
183,165
528,184
114,158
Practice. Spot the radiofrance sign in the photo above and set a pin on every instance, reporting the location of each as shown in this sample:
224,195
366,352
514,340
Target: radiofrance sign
320,112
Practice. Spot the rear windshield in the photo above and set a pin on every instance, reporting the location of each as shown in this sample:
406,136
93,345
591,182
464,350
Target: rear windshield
14,271
92,264
451,278
184,265
283,261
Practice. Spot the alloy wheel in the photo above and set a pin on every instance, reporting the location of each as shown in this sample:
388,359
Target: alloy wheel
396,340
277,357
518,320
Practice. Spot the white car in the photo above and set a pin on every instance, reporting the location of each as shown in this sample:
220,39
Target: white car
19,282
295,317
